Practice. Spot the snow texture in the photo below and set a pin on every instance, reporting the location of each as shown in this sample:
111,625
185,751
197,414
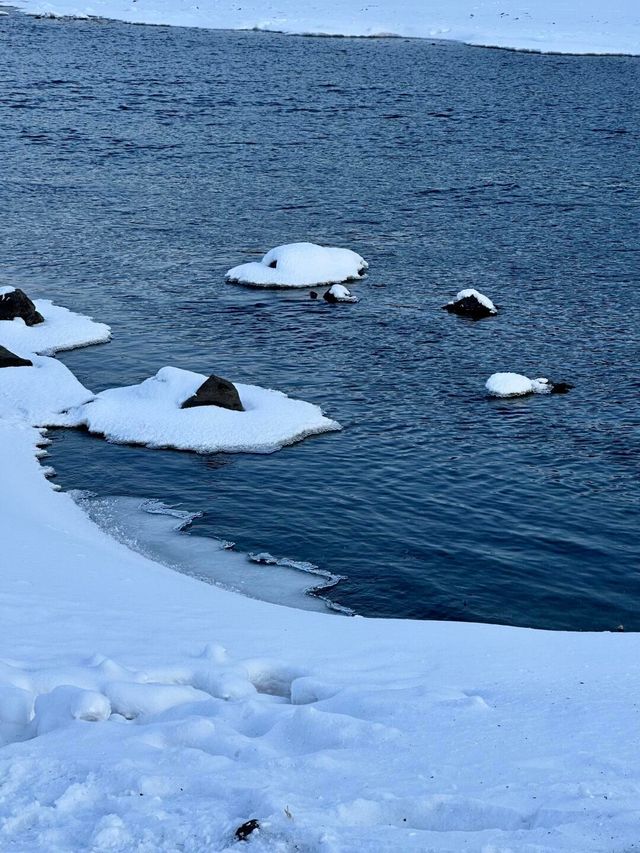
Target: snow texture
482,299
300,265
150,414
539,25
62,330
515,385
37,394
143,710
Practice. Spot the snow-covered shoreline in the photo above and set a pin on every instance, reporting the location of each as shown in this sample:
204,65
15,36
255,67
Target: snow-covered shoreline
337,734
141,709
541,26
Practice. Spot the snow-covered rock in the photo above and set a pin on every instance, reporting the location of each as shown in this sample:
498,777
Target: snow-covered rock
300,265
339,293
37,394
516,385
61,330
15,304
471,303
151,414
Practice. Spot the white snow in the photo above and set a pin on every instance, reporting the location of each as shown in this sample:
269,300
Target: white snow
515,385
484,300
300,265
37,394
150,414
342,294
62,330
143,710
6,289
541,25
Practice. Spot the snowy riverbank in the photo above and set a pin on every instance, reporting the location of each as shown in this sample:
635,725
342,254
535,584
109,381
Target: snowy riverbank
371,735
587,27
142,709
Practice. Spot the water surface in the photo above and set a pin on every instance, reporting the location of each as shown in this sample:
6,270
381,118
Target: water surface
140,163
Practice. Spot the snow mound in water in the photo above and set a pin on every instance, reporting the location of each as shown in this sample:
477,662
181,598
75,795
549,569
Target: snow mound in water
339,293
150,414
38,393
516,385
62,330
300,265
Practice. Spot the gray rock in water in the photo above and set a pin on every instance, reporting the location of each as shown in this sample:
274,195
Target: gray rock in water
469,306
215,391
16,303
10,359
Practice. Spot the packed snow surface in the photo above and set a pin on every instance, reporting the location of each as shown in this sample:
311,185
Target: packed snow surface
590,26
515,385
150,414
482,299
141,709
300,265
62,330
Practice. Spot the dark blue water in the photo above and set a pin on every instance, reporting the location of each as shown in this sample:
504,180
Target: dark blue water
140,163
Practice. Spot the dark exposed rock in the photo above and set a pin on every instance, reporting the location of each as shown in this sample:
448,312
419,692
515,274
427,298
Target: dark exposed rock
274,264
561,387
313,294
216,391
9,359
469,306
16,303
245,829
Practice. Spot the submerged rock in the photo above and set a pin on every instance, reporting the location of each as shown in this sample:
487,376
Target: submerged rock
10,359
15,303
339,293
215,391
471,303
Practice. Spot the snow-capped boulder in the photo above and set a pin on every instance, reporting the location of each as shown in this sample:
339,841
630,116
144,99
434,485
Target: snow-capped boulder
14,303
339,293
215,391
517,385
471,303
151,414
57,329
39,392
10,359
300,265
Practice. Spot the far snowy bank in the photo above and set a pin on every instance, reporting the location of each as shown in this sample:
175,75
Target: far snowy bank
537,25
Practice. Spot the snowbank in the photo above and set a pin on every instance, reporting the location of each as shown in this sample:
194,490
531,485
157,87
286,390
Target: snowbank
300,265
150,414
144,710
541,25
37,394
516,385
62,330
